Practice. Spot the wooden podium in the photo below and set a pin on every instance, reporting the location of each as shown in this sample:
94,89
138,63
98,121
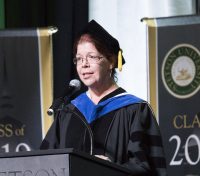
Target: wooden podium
57,162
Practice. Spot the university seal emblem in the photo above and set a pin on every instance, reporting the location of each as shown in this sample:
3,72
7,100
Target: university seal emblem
181,71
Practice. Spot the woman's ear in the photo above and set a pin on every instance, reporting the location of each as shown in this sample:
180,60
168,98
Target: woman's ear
111,66
112,62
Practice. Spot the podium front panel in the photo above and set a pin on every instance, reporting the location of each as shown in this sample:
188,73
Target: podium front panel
57,162
44,165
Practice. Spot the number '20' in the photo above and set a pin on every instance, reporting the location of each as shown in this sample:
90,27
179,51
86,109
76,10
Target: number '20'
187,156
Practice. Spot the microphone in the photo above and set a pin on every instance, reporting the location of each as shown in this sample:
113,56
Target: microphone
74,86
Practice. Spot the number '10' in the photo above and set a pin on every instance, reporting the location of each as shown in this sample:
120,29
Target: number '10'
17,149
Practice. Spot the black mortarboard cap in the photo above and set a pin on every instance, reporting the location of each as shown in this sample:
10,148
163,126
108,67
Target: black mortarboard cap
96,30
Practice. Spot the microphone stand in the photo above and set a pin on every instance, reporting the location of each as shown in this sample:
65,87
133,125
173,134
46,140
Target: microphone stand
87,126
55,106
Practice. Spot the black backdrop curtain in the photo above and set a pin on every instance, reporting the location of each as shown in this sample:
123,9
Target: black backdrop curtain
69,16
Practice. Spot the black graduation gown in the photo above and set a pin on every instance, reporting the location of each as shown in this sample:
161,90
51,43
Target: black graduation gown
129,136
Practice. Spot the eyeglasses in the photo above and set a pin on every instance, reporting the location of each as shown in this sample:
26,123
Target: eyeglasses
90,59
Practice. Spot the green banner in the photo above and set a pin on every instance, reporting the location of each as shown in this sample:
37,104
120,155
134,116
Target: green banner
2,14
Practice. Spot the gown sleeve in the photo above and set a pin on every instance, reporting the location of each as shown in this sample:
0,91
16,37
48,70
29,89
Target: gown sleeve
52,138
145,149
66,131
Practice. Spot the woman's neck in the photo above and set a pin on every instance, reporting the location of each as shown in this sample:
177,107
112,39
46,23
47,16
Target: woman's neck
97,94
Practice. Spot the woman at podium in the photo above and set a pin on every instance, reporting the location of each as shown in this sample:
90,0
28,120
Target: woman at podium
123,126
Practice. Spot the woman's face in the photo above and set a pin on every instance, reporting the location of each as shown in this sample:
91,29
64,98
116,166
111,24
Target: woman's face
92,72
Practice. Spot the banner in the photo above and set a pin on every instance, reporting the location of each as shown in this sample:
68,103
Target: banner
2,15
25,88
174,89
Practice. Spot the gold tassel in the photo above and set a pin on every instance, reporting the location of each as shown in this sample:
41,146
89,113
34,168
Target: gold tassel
120,60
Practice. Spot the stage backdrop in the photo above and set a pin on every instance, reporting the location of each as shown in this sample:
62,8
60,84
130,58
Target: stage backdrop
25,87
174,83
